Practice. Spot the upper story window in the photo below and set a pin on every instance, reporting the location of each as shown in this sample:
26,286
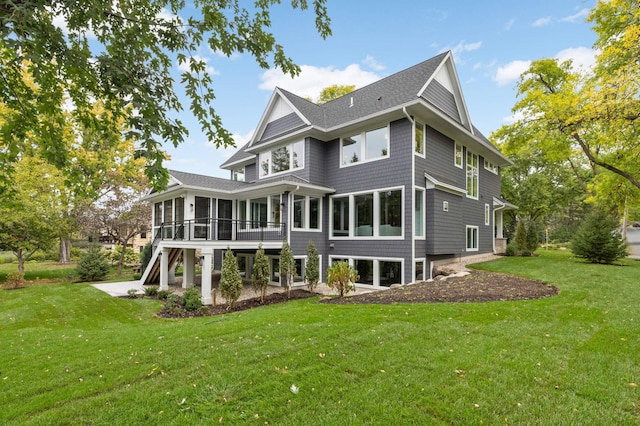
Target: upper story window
282,159
419,138
365,146
306,212
491,167
458,156
472,174
238,174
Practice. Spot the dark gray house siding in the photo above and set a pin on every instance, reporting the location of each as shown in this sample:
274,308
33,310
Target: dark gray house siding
282,125
445,229
250,173
441,97
440,159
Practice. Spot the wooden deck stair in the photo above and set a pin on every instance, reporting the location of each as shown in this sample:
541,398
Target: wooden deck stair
153,277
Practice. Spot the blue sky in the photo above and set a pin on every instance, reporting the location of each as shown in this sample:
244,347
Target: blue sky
492,43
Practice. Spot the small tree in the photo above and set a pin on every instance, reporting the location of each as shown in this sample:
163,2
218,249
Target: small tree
261,273
230,279
93,265
597,241
532,237
341,276
287,266
521,238
312,267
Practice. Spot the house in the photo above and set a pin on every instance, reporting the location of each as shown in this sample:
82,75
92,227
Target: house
393,178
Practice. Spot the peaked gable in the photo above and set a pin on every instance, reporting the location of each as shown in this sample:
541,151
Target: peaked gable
443,91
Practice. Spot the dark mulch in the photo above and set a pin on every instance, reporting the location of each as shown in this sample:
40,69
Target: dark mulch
479,286
242,305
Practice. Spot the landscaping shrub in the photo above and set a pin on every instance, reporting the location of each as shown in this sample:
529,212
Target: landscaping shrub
164,294
597,239
511,250
230,279
14,279
287,266
191,300
133,293
532,237
151,291
312,267
174,305
93,265
341,276
145,256
261,273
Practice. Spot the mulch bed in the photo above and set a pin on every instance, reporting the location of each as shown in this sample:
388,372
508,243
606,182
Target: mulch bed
479,286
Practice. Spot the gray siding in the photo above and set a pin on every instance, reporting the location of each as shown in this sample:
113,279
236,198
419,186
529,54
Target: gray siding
440,153
281,125
445,229
442,98
251,173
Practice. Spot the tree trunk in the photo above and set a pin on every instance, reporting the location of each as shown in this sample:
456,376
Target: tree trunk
121,261
64,255
20,258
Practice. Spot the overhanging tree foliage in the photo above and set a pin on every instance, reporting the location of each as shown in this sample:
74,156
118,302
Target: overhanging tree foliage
123,54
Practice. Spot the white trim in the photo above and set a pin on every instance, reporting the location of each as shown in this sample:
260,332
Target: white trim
487,214
433,183
424,196
376,218
269,152
424,269
477,239
424,139
477,173
455,155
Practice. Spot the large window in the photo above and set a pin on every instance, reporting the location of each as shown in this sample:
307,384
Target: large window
419,138
306,212
282,159
238,174
365,146
472,175
258,207
374,214
472,238
418,213
375,272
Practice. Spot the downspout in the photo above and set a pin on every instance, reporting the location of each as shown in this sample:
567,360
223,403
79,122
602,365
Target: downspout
413,194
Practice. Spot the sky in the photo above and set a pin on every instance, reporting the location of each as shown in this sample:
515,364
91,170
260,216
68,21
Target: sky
492,41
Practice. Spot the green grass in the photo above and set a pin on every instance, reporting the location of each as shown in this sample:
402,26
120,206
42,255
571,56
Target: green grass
73,355
47,272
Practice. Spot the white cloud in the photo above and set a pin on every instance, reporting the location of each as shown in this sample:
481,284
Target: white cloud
542,22
578,17
208,69
510,72
313,79
583,57
462,47
509,24
372,63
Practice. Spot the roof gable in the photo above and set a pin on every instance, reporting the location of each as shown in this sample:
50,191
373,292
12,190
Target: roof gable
443,91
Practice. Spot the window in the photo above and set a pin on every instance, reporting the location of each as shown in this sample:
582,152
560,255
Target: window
419,274
242,265
242,214
418,138
472,238
418,213
275,209
238,174
282,159
364,267
390,213
491,167
487,214
389,273
365,146
157,214
299,275
375,272
340,217
258,212
306,212
472,175
364,215
372,214
458,156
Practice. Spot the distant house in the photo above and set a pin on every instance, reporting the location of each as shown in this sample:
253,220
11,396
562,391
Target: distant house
393,177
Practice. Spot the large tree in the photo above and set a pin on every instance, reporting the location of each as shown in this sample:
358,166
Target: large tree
31,218
123,54
587,117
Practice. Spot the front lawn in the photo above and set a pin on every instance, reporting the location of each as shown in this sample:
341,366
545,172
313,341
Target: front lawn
73,355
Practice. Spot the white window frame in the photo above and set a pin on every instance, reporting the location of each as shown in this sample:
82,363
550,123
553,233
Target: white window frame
415,233
376,216
476,240
487,215
488,165
424,139
376,267
307,214
424,269
472,172
239,172
269,154
363,147
458,160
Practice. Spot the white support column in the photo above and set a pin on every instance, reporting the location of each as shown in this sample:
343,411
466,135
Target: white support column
164,269
189,267
206,276
498,224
